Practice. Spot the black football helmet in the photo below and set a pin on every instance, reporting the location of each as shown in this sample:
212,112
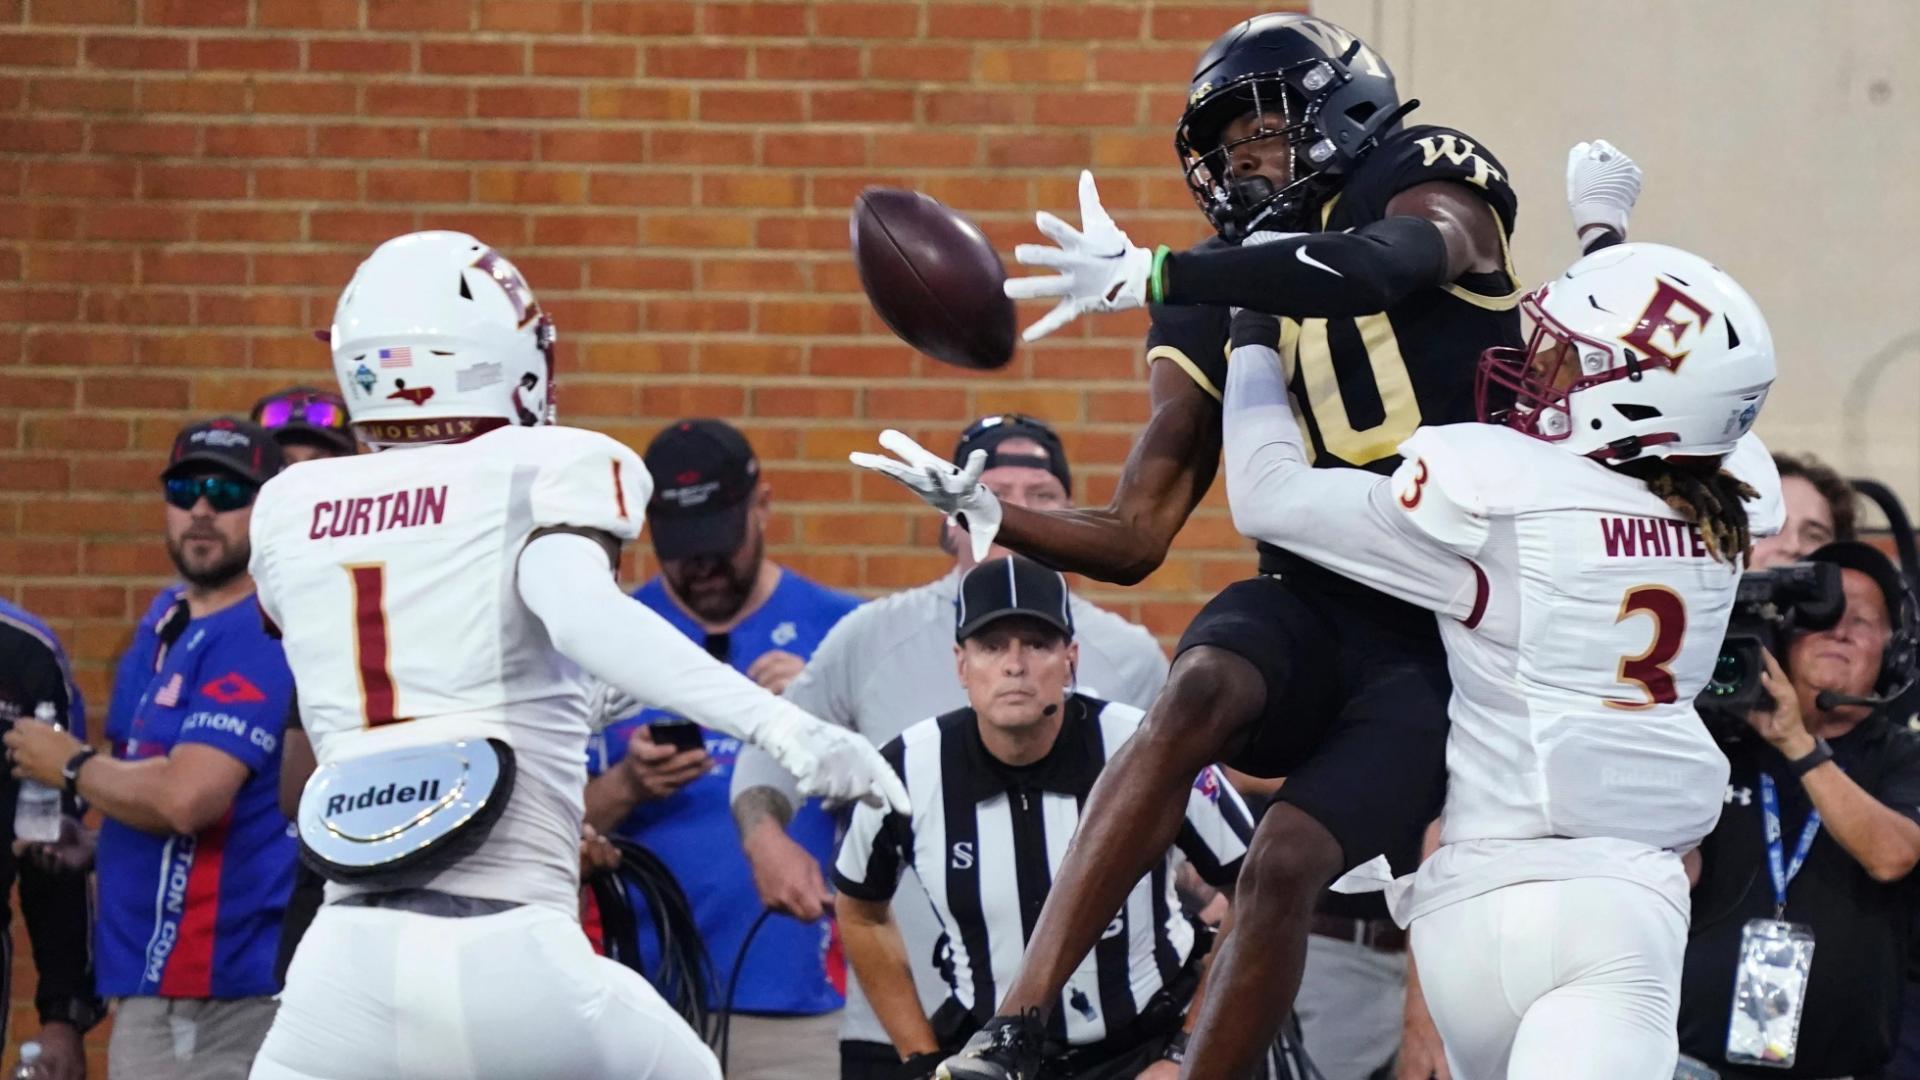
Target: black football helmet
1337,98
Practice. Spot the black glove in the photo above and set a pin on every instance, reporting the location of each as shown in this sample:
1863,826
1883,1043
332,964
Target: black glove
919,1066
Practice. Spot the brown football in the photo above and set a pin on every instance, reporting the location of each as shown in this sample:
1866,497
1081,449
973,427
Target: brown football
933,277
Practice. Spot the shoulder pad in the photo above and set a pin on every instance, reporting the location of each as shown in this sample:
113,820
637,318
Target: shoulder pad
587,480
1442,486
1419,154
1752,463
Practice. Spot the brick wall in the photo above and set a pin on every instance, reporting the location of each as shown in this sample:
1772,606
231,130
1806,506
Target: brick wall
189,183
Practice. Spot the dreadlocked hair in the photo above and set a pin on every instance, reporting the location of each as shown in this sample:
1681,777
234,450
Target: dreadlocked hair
1706,495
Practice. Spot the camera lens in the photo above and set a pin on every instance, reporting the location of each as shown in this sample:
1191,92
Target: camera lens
1730,673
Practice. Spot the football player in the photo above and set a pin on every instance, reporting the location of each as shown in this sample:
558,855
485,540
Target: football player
1582,547
442,605
1372,257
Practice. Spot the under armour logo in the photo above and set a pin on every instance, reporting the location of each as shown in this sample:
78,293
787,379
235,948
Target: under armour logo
1115,928
1741,795
963,855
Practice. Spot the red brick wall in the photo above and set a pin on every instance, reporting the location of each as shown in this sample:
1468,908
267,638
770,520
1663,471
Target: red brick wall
188,184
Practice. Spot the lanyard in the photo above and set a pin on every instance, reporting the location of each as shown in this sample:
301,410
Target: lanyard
1783,875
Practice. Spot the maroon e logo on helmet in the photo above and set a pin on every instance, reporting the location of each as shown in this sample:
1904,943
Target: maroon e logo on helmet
1661,315
525,307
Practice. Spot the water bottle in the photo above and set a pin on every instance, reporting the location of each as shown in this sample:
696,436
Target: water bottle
29,1062
36,814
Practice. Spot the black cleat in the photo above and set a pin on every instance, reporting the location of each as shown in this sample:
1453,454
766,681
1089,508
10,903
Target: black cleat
1008,1048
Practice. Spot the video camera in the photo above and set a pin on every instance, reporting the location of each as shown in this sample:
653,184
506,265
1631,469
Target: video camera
1767,606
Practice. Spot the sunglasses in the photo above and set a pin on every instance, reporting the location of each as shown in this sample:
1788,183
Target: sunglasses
222,492
317,412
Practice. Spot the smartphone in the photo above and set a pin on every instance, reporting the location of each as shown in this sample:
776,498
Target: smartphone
679,734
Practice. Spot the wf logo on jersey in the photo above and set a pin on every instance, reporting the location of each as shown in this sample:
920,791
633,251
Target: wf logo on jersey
1458,151
1664,315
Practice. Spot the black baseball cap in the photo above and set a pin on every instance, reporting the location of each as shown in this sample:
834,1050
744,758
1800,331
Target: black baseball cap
704,477
1869,560
1015,585
988,432
238,446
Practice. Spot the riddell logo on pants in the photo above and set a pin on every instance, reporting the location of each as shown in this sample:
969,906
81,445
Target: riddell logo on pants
425,791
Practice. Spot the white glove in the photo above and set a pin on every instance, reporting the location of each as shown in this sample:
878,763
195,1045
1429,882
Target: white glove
832,762
1100,269
1602,186
955,492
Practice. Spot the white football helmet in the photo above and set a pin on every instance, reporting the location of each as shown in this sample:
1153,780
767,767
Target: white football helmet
1637,350
438,338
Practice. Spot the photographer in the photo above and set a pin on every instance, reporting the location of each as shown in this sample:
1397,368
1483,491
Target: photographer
1821,827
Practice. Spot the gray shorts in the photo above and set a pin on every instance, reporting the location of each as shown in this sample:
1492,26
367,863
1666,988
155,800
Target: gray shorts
187,1038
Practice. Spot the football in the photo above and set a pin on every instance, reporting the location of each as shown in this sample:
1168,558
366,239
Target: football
933,277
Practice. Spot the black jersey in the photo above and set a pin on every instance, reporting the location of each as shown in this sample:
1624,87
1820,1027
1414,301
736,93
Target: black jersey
1362,385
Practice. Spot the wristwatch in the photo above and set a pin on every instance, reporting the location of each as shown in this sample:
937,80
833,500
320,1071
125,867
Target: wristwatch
70,772
1818,756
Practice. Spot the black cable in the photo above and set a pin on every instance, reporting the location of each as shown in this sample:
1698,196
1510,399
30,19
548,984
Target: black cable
733,984
684,971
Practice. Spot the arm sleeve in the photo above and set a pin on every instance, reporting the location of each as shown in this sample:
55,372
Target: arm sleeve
1217,829
59,915
1315,275
1347,520
563,580
870,860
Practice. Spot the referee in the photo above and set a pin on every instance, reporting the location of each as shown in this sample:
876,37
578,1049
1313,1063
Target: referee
997,791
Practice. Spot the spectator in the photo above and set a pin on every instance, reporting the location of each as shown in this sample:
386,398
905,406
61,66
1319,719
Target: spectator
997,790
33,673
1821,826
1820,509
889,663
195,859
708,521
308,423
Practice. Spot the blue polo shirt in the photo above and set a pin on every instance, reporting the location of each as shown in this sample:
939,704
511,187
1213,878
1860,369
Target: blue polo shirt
135,669
199,916
792,969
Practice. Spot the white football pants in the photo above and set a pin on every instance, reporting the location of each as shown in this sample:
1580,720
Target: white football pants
380,994
1555,980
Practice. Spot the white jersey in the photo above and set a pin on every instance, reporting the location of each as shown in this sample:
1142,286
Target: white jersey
1596,618
1581,616
392,579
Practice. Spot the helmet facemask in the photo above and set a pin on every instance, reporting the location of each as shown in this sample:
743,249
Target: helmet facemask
1237,208
1532,389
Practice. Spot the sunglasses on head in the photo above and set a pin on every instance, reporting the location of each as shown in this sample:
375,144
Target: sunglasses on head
222,492
314,410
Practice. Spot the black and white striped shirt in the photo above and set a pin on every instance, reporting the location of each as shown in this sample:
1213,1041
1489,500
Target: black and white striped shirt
985,840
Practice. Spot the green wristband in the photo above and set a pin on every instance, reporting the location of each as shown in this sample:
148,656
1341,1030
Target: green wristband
1156,281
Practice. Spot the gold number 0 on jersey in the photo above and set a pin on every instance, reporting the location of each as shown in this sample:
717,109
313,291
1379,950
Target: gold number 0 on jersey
1304,348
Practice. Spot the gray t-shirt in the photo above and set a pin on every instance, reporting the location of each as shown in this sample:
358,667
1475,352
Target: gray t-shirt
888,666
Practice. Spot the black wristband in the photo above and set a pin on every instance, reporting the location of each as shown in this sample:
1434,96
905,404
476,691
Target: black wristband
1176,1050
82,1013
1818,756
71,770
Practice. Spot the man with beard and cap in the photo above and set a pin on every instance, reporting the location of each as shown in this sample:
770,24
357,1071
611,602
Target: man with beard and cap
195,860
662,781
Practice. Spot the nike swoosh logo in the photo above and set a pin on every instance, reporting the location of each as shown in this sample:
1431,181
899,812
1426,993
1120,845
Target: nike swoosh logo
1301,254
